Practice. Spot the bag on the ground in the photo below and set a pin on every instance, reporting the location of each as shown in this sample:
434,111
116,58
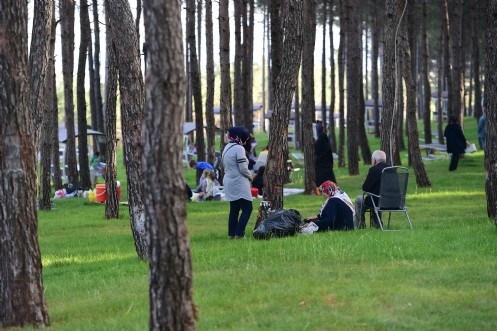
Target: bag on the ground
470,149
280,223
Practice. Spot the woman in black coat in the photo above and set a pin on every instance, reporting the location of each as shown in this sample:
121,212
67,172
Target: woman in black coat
324,159
456,142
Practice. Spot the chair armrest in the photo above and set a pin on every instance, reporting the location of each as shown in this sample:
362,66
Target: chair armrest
369,193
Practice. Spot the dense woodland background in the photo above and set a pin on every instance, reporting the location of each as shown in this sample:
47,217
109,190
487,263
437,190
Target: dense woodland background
396,53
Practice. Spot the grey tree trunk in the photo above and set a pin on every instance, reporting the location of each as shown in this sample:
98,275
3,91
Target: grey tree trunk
352,11
388,120
209,100
457,72
170,275
195,80
47,128
125,42
38,63
331,125
426,111
412,126
490,105
224,61
21,285
66,14
308,105
112,202
237,65
85,33
285,85
341,87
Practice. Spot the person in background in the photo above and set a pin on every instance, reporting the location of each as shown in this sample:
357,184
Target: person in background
258,181
324,158
200,166
96,168
371,184
337,212
261,159
237,178
456,141
482,130
207,192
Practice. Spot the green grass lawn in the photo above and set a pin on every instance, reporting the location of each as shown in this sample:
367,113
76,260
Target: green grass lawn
438,276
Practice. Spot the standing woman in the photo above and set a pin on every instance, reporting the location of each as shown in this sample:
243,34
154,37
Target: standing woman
237,178
324,158
456,142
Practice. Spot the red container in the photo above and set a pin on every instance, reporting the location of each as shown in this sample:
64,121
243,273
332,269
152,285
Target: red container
101,193
254,191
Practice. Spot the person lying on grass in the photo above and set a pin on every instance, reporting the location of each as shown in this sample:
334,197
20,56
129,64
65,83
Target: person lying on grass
337,212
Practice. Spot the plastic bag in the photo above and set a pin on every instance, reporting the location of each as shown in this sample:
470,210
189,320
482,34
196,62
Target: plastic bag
470,149
280,223
91,196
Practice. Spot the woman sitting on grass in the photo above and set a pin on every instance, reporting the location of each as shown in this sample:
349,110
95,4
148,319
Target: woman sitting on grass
337,212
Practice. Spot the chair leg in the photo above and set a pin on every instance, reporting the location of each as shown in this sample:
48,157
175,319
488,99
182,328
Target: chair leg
408,219
378,218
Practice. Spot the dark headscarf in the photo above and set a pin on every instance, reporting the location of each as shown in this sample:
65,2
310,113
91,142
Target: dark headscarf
238,135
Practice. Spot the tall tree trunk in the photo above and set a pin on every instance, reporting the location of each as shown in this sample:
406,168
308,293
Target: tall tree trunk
21,284
331,125
341,87
475,60
66,14
455,30
491,110
112,202
237,65
97,88
308,106
84,168
440,80
170,275
125,42
47,128
38,63
412,126
209,100
196,85
224,62
284,89
352,11
425,73
323,66
388,120
247,64
375,44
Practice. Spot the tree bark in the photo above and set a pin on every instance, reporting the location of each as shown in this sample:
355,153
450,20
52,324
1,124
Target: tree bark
341,87
490,105
457,72
85,33
21,285
47,128
125,42
352,11
425,73
285,85
388,120
171,298
237,65
66,14
195,78
224,61
112,202
331,126
38,63
209,100
412,126
308,106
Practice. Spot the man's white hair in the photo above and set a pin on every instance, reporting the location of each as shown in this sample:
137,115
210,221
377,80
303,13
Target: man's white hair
379,156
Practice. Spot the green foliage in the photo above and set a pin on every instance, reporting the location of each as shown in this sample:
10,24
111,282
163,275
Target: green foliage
438,276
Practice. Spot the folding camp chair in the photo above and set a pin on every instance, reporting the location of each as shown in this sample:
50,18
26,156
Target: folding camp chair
392,197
